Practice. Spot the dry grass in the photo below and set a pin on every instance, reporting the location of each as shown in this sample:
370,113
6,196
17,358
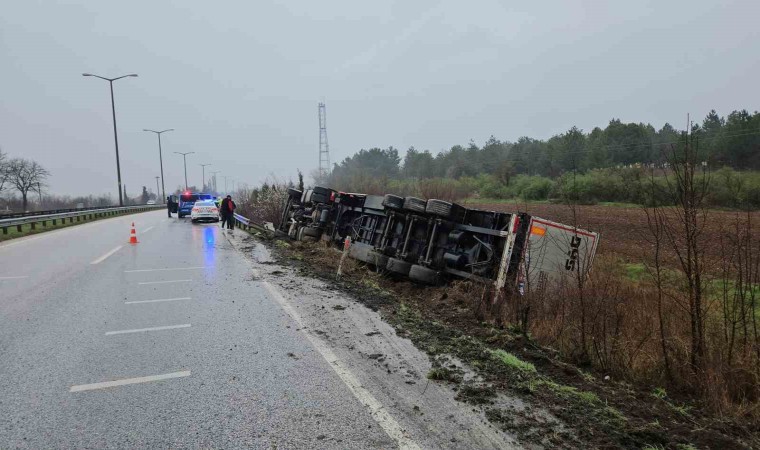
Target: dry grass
612,323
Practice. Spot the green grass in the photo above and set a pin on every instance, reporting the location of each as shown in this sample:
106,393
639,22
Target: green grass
635,271
659,393
513,361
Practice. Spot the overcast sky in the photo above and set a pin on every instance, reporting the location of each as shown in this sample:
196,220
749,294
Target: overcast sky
240,81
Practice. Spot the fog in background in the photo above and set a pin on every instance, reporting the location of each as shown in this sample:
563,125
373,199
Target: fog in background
240,81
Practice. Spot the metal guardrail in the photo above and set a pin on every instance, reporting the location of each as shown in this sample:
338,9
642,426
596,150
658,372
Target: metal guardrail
72,215
247,224
52,211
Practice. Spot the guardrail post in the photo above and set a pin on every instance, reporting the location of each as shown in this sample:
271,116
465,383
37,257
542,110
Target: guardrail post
32,225
5,230
44,223
54,222
18,228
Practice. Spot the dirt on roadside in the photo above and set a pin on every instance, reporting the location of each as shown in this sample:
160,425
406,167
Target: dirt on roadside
596,411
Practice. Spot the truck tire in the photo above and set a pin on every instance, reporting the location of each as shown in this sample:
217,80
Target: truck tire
378,259
323,190
295,194
446,210
391,201
312,232
414,204
360,252
422,274
313,197
398,266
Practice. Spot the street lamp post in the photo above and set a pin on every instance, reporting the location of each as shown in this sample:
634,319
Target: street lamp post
204,175
184,158
214,172
115,137
160,160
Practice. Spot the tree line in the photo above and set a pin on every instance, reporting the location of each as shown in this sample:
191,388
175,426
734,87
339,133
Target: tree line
732,141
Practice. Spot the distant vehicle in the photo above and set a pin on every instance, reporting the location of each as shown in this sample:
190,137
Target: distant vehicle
187,201
151,202
204,210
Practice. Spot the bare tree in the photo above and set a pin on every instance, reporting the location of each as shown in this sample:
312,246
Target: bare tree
4,172
26,176
687,187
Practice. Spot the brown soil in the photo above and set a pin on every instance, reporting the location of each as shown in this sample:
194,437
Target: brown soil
444,321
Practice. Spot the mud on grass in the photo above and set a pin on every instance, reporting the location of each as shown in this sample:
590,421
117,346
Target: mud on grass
442,321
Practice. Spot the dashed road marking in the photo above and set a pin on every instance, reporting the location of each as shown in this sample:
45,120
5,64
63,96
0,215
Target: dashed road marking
157,300
162,282
147,229
14,278
125,381
103,258
376,409
142,330
163,270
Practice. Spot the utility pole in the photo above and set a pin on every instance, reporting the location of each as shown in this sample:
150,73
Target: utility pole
115,137
204,175
161,161
184,158
39,191
324,148
157,191
225,184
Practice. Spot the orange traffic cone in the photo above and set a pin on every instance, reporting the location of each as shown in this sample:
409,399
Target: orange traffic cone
133,235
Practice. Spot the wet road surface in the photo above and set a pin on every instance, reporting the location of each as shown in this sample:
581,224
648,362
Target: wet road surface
185,341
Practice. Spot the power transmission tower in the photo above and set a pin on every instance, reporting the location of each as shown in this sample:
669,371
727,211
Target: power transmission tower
324,148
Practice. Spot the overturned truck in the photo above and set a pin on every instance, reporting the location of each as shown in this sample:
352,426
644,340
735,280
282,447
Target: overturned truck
431,240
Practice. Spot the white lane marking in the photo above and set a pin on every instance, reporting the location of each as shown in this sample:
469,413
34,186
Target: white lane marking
162,282
110,252
157,300
142,330
376,409
163,270
147,229
125,381
14,278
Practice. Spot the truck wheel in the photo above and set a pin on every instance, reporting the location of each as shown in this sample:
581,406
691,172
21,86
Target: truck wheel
322,190
399,266
295,194
313,197
360,252
391,201
312,232
414,204
446,210
424,275
378,259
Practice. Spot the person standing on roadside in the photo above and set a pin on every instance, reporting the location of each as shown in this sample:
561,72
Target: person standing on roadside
228,209
169,206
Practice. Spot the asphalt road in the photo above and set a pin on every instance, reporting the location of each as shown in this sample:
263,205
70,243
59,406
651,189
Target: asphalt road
181,342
